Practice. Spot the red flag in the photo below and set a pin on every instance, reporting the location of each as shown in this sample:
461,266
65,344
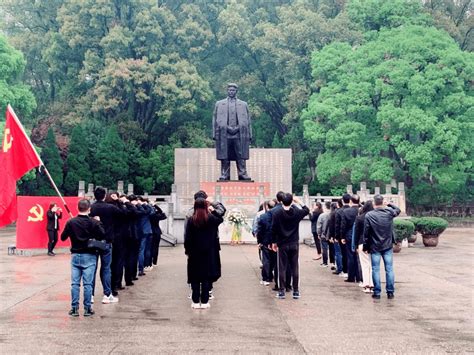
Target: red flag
17,157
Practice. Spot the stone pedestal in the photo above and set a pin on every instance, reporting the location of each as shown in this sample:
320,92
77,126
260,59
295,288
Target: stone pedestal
198,168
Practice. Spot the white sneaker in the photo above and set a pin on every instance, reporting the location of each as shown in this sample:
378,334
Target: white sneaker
265,283
92,299
343,275
211,296
113,299
361,284
205,305
150,267
109,299
195,305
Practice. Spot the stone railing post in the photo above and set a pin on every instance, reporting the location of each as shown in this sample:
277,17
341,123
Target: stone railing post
130,189
388,189
377,190
90,190
306,195
402,198
349,189
363,193
81,192
120,187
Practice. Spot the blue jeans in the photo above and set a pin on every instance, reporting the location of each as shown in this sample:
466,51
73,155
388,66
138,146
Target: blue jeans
387,256
105,272
144,240
338,256
82,267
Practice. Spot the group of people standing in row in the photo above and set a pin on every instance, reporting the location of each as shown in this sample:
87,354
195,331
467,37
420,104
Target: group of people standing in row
123,232
349,236
353,236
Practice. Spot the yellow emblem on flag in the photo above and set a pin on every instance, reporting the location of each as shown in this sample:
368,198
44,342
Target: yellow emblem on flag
7,143
37,214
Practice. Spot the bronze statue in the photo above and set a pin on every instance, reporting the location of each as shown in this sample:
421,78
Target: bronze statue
232,132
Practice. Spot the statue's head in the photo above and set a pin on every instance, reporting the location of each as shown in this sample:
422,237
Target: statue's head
232,90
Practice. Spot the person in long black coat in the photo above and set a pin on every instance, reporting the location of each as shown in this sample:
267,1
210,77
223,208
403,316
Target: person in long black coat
199,246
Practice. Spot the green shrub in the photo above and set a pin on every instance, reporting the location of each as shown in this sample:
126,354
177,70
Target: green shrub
431,225
415,220
403,228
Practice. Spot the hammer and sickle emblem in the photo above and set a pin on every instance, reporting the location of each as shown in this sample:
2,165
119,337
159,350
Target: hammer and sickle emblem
7,143
37,214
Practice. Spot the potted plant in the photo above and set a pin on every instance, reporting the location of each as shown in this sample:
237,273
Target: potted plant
430,228
402,229
412,238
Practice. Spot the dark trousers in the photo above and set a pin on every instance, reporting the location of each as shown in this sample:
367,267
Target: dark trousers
266,264
274,266
317,242
344,257
156,247
118,262
353,268
131,259
200,291
53,239
325,246
332,258
288,259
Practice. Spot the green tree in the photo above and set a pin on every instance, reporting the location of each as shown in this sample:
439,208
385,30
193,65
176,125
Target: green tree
111,160
455,17
157,170
54,163
400,106
77,165
12,91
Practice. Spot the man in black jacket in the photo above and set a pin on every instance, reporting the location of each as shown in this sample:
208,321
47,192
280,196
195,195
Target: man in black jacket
378,241
348,218
340,239
108,216
83,259
285,234
264,240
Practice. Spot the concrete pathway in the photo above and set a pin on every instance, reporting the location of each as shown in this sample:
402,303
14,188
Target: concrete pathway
432,311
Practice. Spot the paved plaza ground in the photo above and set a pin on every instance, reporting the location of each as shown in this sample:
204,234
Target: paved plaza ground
431,313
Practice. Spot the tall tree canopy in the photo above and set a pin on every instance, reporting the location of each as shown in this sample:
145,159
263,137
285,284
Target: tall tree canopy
398,106
148,72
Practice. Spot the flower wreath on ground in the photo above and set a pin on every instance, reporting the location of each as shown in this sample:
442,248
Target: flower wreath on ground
237,219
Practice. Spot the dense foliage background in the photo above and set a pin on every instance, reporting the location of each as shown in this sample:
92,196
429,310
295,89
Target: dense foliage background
361,90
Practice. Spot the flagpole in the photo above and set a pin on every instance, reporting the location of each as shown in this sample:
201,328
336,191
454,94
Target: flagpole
39,158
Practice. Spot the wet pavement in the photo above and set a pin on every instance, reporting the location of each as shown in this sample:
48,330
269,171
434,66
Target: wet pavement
432,311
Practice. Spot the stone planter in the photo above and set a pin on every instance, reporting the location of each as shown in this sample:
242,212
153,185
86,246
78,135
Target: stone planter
397,248
412,238
430,240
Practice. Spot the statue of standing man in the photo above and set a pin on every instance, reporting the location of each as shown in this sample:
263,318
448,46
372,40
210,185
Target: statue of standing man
232,132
